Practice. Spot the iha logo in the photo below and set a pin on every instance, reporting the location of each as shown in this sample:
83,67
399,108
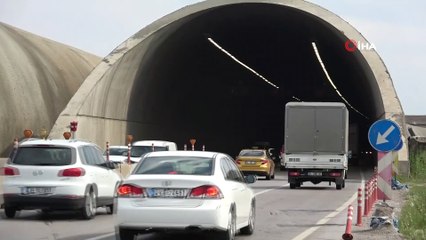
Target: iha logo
352,45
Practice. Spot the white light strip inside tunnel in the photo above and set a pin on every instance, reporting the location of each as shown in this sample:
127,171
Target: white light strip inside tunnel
241,63
331,81
295,98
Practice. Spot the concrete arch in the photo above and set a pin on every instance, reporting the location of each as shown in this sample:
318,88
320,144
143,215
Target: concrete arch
38,77
169,82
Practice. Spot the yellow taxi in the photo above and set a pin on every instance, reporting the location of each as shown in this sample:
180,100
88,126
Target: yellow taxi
256,161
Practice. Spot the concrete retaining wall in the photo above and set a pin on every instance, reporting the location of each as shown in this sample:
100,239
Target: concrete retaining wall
37,79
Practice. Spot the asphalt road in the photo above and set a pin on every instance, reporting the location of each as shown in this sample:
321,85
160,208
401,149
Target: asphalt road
312,212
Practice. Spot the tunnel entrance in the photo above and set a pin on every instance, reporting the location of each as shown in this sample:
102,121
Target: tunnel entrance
186,87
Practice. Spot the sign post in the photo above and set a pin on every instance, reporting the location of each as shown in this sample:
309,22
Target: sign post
385,136
129,144
73,128
192,141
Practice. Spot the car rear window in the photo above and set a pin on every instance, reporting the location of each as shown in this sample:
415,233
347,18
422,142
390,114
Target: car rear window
252,153
138,151
43,156
117,151
175,165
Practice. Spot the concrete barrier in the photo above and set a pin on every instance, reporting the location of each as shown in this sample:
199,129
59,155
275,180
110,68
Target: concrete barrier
125,169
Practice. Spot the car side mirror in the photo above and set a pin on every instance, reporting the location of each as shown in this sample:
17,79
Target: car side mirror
110,165
250,178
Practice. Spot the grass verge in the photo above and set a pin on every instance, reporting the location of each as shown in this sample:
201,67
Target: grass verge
413,214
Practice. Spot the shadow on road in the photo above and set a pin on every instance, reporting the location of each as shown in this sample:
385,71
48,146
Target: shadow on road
38,215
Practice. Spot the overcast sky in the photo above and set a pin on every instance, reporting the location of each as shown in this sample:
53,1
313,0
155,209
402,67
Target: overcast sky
396,28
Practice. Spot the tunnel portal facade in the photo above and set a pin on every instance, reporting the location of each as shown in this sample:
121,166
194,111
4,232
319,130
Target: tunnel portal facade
222,71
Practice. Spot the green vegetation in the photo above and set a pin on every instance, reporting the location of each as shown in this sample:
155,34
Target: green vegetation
418,165
413,214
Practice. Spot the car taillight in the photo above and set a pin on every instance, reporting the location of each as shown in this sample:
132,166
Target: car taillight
9,171
335,174
128,190
264,161
72,172
206,192
238,161
294,173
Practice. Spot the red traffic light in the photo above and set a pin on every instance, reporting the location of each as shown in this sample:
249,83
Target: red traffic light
73,126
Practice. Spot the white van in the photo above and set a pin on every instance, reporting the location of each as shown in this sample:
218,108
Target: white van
139,148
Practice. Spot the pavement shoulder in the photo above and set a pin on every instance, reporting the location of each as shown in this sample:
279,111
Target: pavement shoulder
385,210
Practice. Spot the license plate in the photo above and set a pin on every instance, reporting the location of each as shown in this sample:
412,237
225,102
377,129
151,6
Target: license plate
166,193
250,162
314,173
36,190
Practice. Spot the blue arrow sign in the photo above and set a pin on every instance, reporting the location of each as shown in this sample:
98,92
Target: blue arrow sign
384,135
399,146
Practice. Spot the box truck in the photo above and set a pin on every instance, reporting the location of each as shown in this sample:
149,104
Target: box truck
316,143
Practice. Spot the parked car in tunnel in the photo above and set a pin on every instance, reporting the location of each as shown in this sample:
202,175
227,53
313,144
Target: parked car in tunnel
256,161
117,154
186,191
139,148
275,155
282,158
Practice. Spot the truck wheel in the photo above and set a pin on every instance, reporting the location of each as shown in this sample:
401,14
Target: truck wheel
339,186
292,185
343,184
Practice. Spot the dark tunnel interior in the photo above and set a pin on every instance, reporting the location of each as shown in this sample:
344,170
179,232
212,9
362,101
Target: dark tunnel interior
189,88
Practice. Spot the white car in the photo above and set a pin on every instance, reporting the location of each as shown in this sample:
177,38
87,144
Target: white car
139,148
117,154
59,175
186,190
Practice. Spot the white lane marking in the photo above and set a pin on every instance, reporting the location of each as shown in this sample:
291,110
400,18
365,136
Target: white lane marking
271,189
102,236
327,218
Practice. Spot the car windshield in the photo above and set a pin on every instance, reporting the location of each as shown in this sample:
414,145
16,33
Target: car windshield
252,153
117,151
138,151
45,156
175,165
